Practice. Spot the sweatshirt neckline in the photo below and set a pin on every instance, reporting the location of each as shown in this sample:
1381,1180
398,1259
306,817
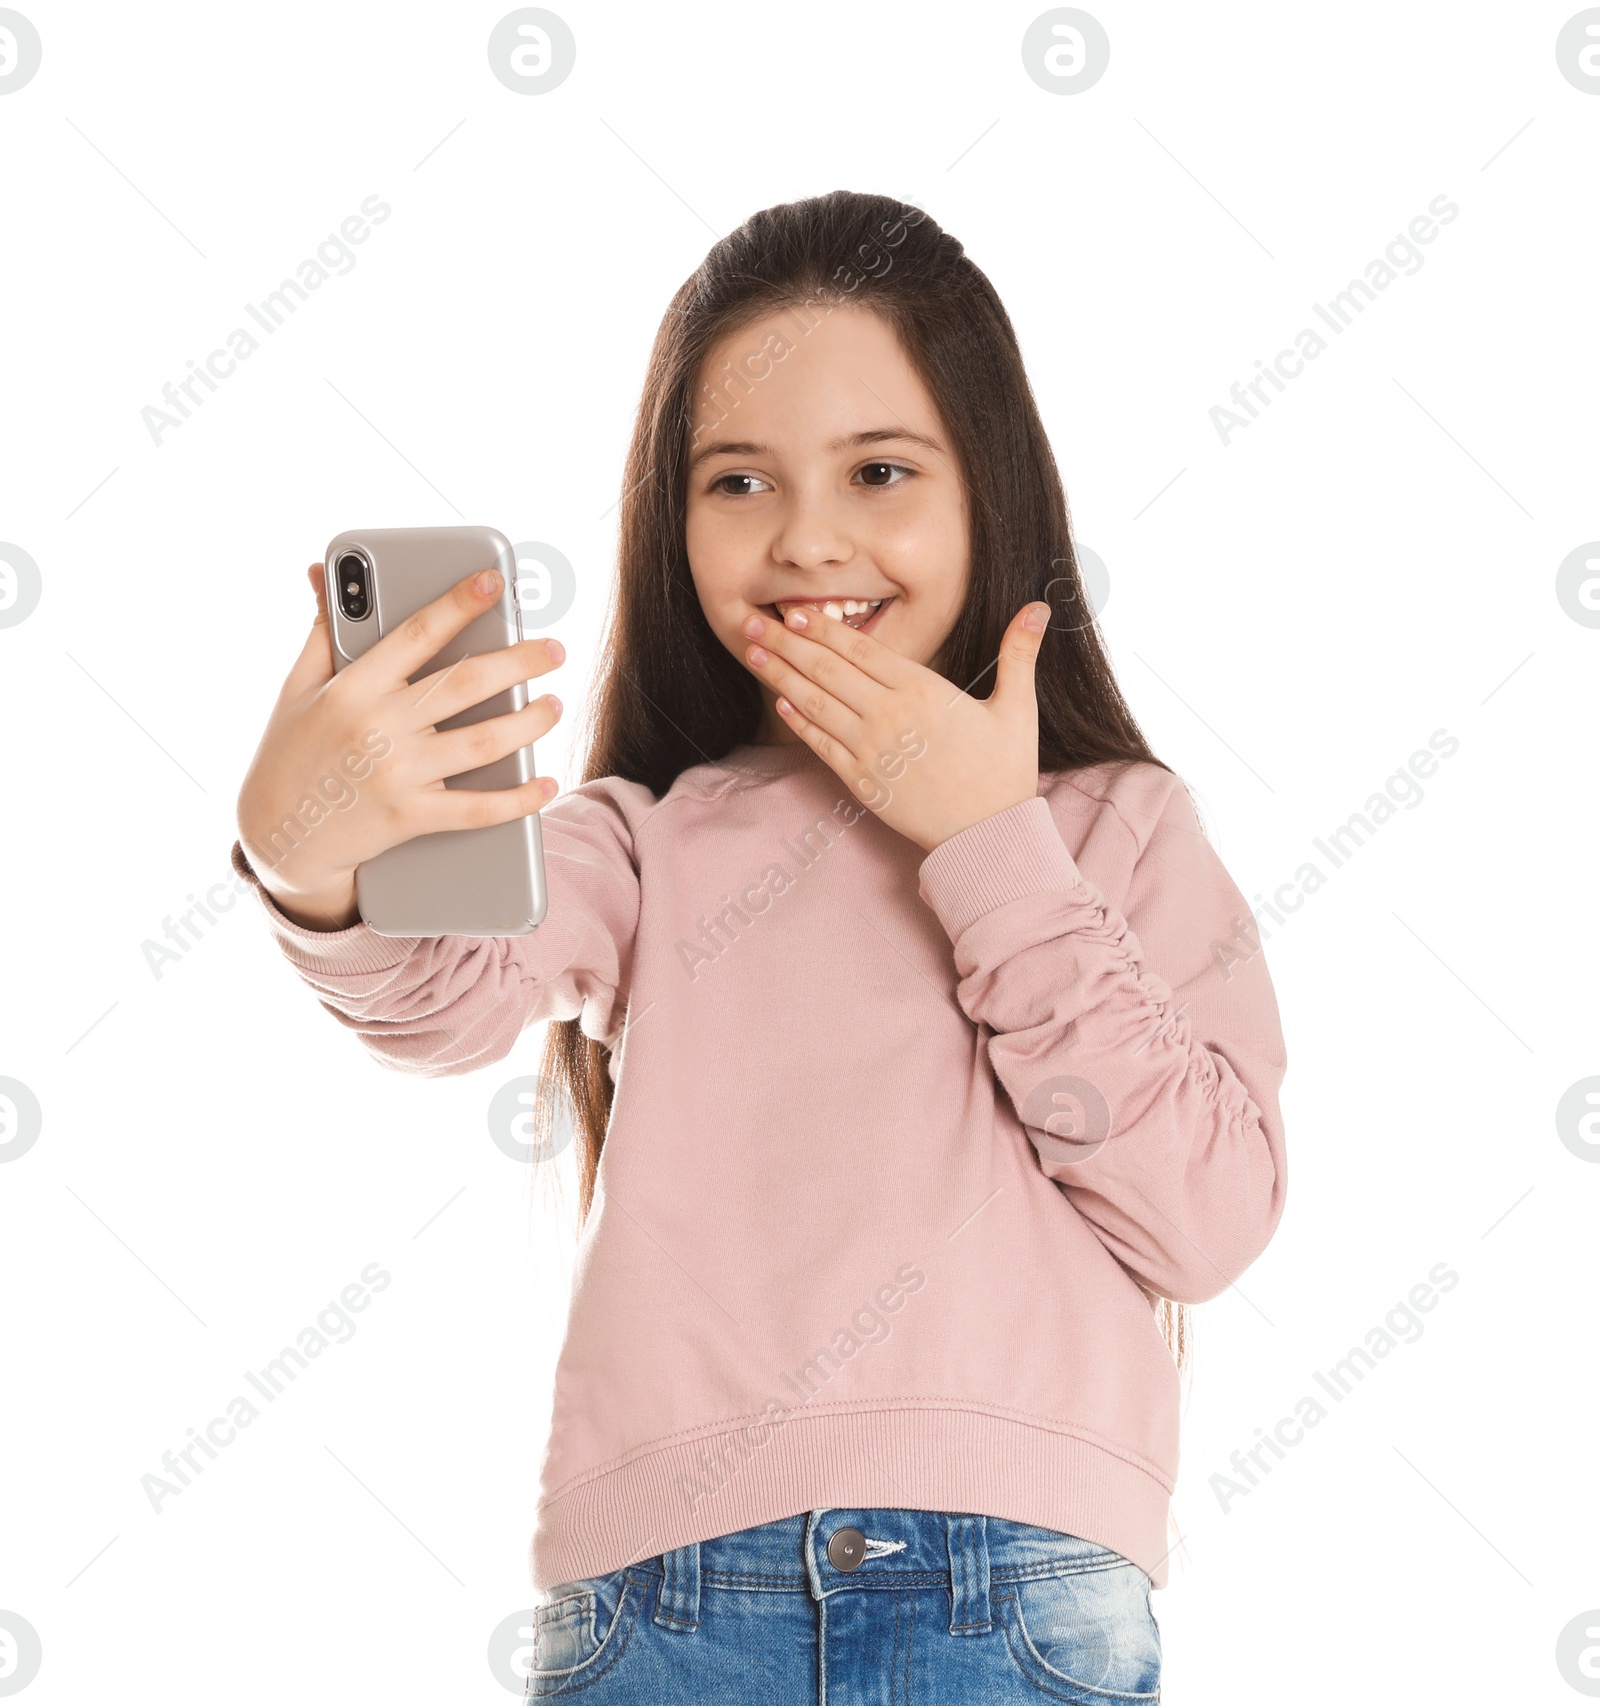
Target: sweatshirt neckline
777,759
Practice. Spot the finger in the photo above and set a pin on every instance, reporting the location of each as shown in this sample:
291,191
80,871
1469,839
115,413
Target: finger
315,662
832,751
468,808
404,650
454,751
1019,652
814,702
871,656
441,695
829,669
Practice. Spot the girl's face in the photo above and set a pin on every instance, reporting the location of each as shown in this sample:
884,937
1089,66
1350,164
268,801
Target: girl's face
826,474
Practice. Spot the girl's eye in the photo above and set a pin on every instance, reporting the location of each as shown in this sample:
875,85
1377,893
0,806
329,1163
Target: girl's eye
717,485
893,467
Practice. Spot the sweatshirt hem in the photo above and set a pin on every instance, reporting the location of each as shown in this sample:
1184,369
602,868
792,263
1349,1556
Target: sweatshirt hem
964,1460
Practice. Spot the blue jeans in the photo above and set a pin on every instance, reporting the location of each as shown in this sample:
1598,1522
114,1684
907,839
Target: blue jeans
882,1607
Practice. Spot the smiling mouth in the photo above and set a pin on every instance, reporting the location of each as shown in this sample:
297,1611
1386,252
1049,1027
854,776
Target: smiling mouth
862,614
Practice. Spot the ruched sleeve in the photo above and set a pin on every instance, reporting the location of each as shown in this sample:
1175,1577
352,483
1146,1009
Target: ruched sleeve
1138,1038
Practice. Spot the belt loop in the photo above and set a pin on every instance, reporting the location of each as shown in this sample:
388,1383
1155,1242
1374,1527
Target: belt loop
970,1610
678,1602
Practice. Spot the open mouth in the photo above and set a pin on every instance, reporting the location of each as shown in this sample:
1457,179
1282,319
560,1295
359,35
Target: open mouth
862,614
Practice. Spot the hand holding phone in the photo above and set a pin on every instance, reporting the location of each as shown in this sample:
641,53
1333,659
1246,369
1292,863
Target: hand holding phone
352,764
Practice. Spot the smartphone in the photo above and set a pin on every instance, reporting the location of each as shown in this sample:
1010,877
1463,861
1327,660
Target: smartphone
487,881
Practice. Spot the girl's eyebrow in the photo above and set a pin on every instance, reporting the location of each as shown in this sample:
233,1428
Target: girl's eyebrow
874,435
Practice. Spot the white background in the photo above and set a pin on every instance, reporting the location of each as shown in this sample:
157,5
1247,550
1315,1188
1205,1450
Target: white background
1291,617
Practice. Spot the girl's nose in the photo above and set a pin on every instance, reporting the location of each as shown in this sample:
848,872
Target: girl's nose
811,534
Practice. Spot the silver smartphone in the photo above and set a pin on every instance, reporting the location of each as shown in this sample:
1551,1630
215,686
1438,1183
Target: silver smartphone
461,882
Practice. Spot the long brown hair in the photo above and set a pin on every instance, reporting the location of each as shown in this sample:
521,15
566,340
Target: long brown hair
669,694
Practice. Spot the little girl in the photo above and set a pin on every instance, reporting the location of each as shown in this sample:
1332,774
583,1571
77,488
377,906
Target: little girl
923,1057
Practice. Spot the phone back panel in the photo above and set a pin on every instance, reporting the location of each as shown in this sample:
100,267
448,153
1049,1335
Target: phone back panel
464,882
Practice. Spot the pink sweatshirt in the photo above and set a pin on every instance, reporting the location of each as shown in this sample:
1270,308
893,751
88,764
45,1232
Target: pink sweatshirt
899,1143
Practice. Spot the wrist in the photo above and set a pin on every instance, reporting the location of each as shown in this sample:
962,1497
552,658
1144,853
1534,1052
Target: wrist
968,820
325,912
326,901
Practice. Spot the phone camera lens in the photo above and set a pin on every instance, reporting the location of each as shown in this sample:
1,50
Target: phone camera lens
355,586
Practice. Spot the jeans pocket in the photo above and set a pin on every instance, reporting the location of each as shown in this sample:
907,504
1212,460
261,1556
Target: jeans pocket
1086,1635
580,1632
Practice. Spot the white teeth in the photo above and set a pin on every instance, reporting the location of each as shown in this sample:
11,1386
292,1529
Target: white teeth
837,608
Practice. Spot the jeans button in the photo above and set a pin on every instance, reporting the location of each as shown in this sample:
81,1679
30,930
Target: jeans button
846,1549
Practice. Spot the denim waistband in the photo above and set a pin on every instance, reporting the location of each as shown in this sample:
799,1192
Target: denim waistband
903,1549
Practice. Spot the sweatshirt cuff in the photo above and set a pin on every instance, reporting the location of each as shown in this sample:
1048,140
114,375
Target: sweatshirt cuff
1015,852
357,948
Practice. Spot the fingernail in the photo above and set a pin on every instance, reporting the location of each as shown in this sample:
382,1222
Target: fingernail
796,617
753,626
546,789
486,583
1038,615
553,702
557,651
